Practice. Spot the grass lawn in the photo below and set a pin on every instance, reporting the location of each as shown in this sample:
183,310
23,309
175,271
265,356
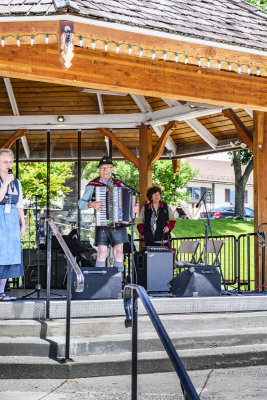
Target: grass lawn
190,227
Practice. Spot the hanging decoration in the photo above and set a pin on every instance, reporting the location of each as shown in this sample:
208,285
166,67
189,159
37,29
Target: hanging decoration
66,44
68,41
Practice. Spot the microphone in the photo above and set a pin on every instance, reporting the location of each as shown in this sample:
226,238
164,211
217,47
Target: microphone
202,198
11,183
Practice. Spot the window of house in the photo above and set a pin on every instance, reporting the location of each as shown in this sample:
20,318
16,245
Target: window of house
209,195
194,193
230,196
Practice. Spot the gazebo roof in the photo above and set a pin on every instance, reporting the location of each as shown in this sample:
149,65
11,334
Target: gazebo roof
224,21
161,63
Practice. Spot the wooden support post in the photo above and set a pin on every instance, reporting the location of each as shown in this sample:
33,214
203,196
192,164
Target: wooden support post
260,186
145,169
176,164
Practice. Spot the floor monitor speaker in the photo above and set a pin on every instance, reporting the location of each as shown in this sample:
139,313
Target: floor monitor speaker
154,269
99,283
196,281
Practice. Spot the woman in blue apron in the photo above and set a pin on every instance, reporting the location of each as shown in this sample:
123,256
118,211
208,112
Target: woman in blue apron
12,223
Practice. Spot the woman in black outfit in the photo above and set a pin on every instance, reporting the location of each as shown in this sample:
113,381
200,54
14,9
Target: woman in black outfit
156,219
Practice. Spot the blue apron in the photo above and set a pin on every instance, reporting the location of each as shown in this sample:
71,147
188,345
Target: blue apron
11,263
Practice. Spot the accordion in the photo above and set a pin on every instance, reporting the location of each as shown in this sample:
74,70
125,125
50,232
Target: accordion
117,203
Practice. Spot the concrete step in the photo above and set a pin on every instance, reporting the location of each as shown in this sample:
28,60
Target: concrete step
95,327
120,364
114,344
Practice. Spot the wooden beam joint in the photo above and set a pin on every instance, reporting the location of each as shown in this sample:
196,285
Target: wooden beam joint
158,150
125,152
17,135
241,129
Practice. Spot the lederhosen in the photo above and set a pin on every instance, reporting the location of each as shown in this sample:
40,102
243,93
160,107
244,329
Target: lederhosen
11,265
112,234
162,220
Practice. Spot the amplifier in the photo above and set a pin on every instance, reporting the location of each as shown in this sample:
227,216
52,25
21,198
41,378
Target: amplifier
58,269
197,281
154,269
99,283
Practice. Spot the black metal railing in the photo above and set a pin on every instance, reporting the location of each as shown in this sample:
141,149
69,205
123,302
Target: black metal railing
245,260
71,265
130,296
236,258
227,256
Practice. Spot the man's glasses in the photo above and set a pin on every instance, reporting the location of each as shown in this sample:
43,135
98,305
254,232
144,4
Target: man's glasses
7,162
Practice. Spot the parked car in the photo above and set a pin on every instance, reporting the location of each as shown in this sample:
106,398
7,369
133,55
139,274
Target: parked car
226,212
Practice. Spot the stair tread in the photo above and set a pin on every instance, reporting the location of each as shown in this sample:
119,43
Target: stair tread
156,355
145,335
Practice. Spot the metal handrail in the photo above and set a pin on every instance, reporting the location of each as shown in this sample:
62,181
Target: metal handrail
130,296
71,264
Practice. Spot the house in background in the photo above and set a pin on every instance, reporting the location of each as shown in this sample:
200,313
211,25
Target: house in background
217,179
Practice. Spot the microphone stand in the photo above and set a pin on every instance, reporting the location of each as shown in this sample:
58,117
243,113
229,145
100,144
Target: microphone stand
38,287
132,191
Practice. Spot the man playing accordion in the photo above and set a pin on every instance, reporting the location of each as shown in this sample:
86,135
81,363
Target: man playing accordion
105,235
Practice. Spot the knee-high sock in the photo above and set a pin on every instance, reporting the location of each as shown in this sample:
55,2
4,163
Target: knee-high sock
118,264
100,264
2,285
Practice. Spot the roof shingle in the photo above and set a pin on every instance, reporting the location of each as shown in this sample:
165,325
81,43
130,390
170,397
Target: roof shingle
229,21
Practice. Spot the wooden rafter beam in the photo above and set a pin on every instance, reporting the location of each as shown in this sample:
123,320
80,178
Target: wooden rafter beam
129,74
241,129
126,153
158,150
15,110
17,135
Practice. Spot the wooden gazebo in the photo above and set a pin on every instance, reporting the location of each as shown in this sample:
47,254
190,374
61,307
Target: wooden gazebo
159,79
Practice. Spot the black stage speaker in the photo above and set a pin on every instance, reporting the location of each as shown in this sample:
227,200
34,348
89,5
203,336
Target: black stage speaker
58,269
99,283
31,276
197,281
154,269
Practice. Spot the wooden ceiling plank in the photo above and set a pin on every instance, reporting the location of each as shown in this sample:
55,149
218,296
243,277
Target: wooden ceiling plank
204,148
120,146
203,132
127,74
145,107
194,124
241,129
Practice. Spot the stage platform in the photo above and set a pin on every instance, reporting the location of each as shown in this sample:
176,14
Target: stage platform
33,308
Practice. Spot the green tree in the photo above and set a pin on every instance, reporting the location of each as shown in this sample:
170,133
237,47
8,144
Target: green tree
239,159
162,175
259,3
34,179
172,184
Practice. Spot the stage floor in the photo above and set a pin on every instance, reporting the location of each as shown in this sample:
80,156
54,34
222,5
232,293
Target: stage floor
34,308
